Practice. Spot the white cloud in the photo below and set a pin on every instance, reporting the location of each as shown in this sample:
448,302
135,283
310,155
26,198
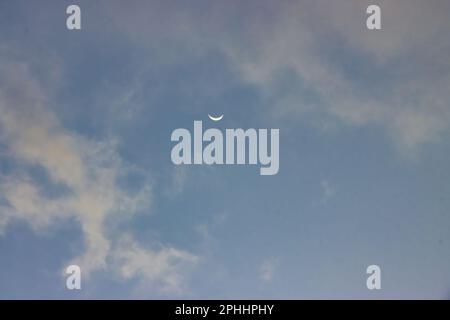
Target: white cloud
33,136
163,266
409,100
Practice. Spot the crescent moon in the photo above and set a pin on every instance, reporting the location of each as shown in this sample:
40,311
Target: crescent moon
215,118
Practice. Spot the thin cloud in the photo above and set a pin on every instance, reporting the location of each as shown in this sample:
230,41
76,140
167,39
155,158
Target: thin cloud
89,170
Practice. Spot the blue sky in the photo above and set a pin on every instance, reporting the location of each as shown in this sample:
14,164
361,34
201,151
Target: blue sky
86,175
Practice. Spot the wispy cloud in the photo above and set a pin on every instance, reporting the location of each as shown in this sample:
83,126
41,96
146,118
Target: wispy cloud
90,171
408,101
162,266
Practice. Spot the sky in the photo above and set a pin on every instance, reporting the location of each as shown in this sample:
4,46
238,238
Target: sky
86,176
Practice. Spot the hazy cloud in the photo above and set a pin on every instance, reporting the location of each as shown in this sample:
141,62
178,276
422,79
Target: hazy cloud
88,169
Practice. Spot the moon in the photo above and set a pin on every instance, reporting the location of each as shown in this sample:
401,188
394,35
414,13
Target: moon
215,118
